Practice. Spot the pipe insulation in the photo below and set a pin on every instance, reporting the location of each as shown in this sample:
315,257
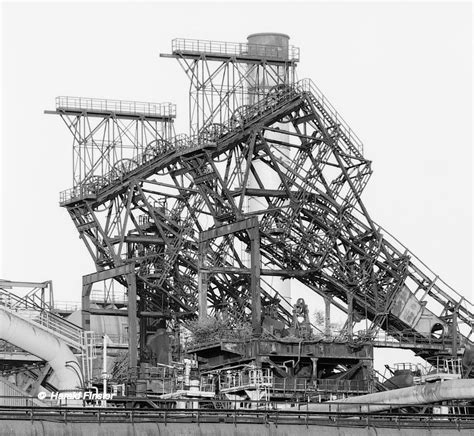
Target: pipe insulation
35,340
460,389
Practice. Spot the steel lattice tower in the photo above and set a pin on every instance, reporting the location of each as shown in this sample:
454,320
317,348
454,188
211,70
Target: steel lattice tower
168,220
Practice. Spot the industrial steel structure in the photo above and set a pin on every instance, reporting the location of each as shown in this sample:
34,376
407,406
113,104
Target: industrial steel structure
167,216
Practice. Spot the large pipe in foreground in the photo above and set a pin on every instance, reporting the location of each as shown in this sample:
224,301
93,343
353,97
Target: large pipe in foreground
461,389
39,342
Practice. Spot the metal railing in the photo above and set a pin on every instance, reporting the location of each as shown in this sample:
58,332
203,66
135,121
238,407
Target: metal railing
113,339
63,329
68,332
78,192
67,306
105,296
162,110
307,85
257,51
252,378
320,385
396,339
442,290
253,413
32,300
90,189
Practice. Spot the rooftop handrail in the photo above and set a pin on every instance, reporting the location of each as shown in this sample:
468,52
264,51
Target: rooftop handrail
119,106
236,49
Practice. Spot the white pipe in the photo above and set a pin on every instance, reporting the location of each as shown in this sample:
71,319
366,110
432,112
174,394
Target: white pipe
460,389
46,346
104,371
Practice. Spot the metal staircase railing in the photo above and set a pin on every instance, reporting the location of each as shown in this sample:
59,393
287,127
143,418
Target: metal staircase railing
331,114
46,320
89,347
55,325
437,288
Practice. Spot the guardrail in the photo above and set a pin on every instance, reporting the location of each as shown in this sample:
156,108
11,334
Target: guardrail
105,296
113,339
257,51
308,85
56,324
30,310
161,110
269,415
66,306
433,283
254,378
320,385
401,340
90,189
68,332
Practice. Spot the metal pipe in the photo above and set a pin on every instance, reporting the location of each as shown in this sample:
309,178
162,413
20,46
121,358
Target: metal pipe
46,346
104,371
460,389
299,355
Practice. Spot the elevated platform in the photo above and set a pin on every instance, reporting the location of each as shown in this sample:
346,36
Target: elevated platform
239,51
118,108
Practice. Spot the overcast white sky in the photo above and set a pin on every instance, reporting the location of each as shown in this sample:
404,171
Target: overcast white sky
400,74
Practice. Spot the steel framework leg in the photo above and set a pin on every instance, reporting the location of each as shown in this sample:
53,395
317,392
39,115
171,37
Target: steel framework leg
132,321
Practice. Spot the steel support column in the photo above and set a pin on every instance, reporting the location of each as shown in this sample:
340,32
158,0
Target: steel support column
202,280
86,304
255,280
132,321
350,313
327,317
